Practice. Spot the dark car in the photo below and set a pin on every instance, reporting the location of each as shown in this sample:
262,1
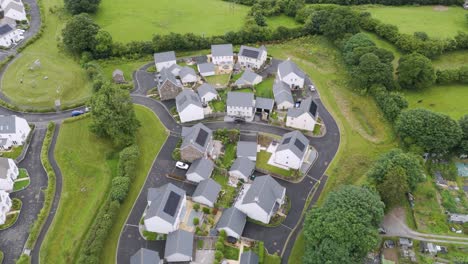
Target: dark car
239,120
77,113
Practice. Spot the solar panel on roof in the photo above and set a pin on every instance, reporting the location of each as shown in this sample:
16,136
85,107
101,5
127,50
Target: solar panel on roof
286,141
299,145
201,138
172,203
313,108
250,53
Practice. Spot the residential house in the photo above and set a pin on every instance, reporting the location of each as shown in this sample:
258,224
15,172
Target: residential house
264,105
282,94
10,36
5,206
207,93
188,75
179,246
13,10
261,199
206,69
405,242
200,170
166,205
247,149
427,247
249,257
175,69
232,221
222,54
248,79
145,256
291,150
118,76
164,60
458,218
250,57
289,73
207,192
242,168
240,104
8,174
168,87
14,131
303,117
196,142
189,106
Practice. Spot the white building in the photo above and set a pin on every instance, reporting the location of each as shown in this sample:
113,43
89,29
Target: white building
5,206
207,193
188,75
14,10
206,69
304,117
289,73
248,79
250,57
8,174
189,106
14,131
240,104
222,54
232,221
10,36
164,60
283,95
179,247
242,168
207,93
166,206
292,150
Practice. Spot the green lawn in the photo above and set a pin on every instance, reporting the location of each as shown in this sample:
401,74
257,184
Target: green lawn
451,60
298,250
225,200
128,67
262,163
144,18
231,252
265,88
229,155
244,90
19,185
218,106
12,218
220,80
13,153
410,19
66,80
273,259
282,20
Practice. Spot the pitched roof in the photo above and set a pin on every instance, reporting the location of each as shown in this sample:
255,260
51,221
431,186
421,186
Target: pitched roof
175,69
240,99
165,202
164,56
248,257
203,167
179,242
243,165
307,106
4,29
145,256
166,75
206,67
187,71
288,66
248,77
234,219
264,191
7,124
206,88
221,50
282,92
251,52
246,149
208,189
294,141
186,98
264,103
4,167
198,136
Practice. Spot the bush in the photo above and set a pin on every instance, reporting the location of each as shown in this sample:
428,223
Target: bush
219,246
127,161
196,207
119,188
206,210
196,221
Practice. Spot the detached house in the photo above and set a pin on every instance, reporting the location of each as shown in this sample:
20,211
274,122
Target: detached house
206,69
166,205
145,256
222,54
289,73
248,79
233,222
207,192
283,95
5,206
13,10
207,93
242,168
196,142
240,104
261,199
14,131
292,150
250,57
303,117
8,174
164,60
179,246
168,87
189,106
200,170
188,75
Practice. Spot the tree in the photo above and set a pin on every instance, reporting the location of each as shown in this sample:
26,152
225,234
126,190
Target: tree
260,19
119,188
81,6
128,158
463,122
344,229
391,103
394,187
371,70
113,115
103,48
433,132
415,71
79,34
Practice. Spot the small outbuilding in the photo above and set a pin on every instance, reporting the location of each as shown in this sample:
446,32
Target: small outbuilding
118,76
207,192
233,222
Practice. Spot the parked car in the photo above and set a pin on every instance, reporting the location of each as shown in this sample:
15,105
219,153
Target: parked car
239,120
382,231
77,113
87,109
181,165
312,88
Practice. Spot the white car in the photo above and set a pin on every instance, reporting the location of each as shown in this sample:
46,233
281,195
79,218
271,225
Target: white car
312,88
181,165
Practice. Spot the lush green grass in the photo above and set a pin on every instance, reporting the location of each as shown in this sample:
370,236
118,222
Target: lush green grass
226,199
410,19
298,250
265,88
66,81
12,218
19,185
281,20
262,163
218,80
244,90
128,67
451,60
218,106
229,155
1,257
231,252
429,215
13,153
273,259
143,18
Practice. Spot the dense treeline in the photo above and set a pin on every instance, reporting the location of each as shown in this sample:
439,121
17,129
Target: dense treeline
81,6
366,2
457,75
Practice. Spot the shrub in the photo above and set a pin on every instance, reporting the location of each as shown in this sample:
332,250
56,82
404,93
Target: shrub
196,221
206,210
219,246
196,207
119,188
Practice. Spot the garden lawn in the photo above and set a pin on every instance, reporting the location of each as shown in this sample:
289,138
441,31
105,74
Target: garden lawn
218,80
225,201
21,184
66,80
144,18
282,20
13,153
410,19
265,88
262,163
428,214
128,67
231,252
229,155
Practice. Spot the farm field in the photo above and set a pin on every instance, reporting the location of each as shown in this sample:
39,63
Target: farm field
57,77
451,60
409,19
144,18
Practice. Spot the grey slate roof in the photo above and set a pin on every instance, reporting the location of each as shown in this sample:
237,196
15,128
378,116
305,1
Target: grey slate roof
244,166
205,89
248,77
307,106
203,167
206,67
175,69
221,50
251,52
295,141
264,103
7,124
4,166
282,92
179,242
191,134
187,71
248,257
288,66
246,149
208,189
161,202
264,191
145,256
5,29
166,75
234,219
240,99
164,56
186,98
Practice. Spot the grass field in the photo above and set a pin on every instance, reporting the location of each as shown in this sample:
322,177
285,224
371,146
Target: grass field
229,192
219,80
144,18
410,19
65,78
108,67
281,20
265,88
13,153
262,163
451,60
